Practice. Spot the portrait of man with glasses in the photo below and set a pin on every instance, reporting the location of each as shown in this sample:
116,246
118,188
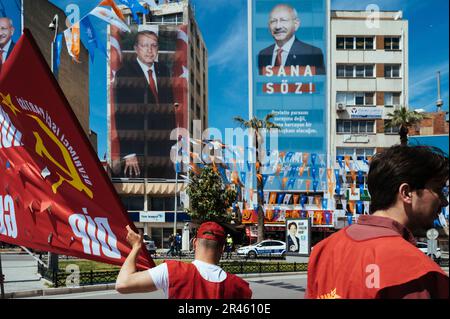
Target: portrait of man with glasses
288,50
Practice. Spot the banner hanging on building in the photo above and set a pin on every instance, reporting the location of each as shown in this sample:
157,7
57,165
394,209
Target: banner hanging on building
148,99
10,25
288,74
54,194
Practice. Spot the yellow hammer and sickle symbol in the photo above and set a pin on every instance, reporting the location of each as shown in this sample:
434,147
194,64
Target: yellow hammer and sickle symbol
42,151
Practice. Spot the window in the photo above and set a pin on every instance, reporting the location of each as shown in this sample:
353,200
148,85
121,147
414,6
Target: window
164,203
355,127
392,43
341,71
360,151
133,203
391,98
358,71
390,130
392,71
340,43
355,98
354,43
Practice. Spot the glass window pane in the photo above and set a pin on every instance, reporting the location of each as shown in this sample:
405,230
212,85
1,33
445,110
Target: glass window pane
387,71
340,43
369,99
349,43
359,99
354,127
395,43
350,98
341,97
396,98
360,43
396,71
347,126
340,71
387,43
369,71
339,126
370,126
388,98
349,71
369,43
360,71
359,152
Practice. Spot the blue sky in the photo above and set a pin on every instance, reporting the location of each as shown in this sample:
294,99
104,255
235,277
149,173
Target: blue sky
223,24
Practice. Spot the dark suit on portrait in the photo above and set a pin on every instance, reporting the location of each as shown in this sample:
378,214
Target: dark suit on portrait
290,243
142,124
11,47
300,53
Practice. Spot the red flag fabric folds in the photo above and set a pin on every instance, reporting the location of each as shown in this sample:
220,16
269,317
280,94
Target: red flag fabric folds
54,194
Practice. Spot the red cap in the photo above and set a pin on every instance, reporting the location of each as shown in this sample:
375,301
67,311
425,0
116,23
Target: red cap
211,231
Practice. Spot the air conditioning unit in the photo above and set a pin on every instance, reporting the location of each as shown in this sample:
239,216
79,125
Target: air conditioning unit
340,107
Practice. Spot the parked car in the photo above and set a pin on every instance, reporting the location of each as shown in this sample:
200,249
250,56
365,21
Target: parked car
149,244
265,248
423,246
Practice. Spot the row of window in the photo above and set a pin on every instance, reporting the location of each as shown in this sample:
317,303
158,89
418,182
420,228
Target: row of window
366,43
136,203
366,70
361,127
366,98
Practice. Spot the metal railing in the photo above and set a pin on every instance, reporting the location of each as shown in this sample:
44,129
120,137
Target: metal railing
60,278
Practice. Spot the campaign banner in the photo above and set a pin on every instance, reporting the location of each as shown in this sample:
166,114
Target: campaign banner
366,113
298,237
54,194
148,99
288,72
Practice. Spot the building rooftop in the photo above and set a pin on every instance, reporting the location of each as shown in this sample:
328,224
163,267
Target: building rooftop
363,14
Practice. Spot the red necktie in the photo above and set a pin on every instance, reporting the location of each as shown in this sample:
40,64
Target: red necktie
278,59
152,85
1,57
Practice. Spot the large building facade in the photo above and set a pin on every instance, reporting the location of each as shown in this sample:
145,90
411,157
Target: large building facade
369,79
150,197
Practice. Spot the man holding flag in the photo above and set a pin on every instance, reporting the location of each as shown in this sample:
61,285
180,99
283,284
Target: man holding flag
201,279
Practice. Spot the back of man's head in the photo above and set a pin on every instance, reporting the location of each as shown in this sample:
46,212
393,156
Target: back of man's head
414,165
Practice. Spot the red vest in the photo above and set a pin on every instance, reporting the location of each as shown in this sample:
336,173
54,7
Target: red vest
341,267
185,282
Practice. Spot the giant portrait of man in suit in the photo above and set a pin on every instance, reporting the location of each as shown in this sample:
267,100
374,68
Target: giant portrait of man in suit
144,111
288,50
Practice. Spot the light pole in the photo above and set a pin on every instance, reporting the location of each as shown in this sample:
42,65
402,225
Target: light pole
53,26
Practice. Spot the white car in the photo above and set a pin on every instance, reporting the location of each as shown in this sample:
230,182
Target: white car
423,247
266,248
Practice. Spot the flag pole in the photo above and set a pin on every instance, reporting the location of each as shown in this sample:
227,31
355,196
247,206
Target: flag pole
2,287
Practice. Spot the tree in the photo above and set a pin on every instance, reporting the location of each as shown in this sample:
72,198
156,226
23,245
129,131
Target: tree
403,119
209,197
256,125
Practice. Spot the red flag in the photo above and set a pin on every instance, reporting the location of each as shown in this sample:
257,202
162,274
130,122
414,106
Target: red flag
54,194
181,77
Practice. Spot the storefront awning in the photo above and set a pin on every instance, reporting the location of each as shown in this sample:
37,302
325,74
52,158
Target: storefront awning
150,188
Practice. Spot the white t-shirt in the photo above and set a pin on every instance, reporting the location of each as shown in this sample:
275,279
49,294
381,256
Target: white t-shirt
209,272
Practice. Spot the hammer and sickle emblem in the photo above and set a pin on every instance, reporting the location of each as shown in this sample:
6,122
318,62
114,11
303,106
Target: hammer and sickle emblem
74,178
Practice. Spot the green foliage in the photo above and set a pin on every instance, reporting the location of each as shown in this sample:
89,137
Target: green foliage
209,198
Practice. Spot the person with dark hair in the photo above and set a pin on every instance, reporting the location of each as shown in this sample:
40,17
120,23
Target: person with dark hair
379,254
144,102
293,242
201,279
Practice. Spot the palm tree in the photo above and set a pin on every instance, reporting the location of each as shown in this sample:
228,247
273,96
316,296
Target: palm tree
403,119
257,125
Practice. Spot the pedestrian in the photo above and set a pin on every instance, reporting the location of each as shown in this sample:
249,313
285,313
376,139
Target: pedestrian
178,244
171,251
377,257
201,279
229,246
